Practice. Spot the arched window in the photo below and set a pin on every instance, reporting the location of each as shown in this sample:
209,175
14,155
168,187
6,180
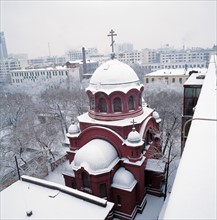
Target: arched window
148,137
131,103
92,103
140,100
117,105
102,105
85,180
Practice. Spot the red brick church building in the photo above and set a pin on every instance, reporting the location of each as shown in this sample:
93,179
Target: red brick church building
115,147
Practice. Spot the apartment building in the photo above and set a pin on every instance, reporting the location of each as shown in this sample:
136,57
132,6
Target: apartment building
172,76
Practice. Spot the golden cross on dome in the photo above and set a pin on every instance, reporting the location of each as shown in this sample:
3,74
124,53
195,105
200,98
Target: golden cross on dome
112,34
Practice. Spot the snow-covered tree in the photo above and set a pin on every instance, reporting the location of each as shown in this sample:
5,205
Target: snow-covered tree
167,101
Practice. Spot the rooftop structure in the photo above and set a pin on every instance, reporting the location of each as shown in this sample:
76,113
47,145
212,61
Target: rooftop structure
40,199
194,191
3,48
172,76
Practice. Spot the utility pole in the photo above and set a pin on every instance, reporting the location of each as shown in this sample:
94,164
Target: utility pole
112,34
167,170
18,171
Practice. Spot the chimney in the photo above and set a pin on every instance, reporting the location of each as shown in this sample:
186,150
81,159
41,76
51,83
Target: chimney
84,61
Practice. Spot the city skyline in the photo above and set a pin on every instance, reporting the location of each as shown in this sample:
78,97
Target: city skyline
53,27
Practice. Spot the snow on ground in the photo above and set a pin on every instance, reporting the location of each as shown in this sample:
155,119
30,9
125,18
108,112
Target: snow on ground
56,175
152,208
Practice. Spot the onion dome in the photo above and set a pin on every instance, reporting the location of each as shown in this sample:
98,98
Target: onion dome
95,156
134,136
123,179
156,116
73,128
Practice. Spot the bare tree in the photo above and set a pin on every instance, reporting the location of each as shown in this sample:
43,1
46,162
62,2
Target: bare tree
167,101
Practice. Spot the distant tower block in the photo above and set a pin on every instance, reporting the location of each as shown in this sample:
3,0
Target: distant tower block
3,48
112,34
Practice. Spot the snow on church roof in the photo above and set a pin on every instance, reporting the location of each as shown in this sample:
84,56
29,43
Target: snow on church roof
96,156
114,74
124,179
49,200
194,191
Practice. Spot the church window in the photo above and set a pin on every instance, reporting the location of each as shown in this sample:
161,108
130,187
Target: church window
85,180
102,189
148,137
140,99
119,200
117,105
131,103
92,103
102,105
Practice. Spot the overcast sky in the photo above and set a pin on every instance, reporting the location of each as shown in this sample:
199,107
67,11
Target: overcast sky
29,25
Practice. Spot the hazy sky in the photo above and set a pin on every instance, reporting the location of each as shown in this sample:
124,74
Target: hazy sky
30,25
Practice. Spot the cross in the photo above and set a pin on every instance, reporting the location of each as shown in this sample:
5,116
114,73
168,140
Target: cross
133,121
112,34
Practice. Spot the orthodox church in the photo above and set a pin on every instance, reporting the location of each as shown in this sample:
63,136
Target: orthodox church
115,147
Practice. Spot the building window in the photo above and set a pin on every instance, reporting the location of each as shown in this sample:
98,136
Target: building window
102,105
119,200
140,99
117,105
180,80
152,79
173,80
85,180
92,103
148,138
146,80
102,190
131,103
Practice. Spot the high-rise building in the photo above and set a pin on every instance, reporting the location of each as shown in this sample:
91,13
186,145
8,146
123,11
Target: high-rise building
3,48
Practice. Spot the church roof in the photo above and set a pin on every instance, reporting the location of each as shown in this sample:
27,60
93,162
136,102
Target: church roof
124,179
114,74
96,156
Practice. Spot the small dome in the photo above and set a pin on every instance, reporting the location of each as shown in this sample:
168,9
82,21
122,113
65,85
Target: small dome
134,136
95,155
123,179
73,128
156,116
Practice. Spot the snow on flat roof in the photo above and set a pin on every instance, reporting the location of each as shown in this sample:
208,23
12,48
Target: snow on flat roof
194,191
175,72
155,165
194,80
49,200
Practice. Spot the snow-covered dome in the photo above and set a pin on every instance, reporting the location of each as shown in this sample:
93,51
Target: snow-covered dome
123,179
114,73
134,136
156,116
97,155
73,128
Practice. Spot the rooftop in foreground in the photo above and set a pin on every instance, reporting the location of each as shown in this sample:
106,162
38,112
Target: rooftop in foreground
47,200
194,191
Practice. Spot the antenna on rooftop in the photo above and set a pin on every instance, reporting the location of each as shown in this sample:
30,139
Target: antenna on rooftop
112,34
